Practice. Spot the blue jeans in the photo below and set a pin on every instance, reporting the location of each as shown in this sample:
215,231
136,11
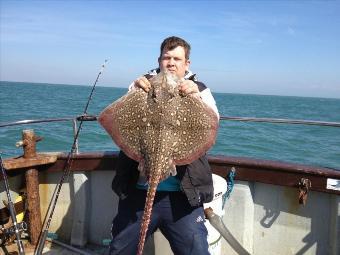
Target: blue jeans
181,224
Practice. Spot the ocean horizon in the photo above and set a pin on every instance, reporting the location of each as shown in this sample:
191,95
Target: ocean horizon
310,145
124,87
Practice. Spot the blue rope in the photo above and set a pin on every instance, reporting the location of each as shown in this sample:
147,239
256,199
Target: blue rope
230,184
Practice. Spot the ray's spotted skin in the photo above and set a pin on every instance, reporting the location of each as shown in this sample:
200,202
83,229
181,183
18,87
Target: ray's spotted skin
160,129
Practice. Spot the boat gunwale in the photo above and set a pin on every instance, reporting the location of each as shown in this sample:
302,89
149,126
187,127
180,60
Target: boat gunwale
247,169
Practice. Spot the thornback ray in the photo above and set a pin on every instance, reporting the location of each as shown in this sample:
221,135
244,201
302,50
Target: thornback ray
160,129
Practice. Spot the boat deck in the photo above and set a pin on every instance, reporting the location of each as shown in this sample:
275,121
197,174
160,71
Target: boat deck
56,248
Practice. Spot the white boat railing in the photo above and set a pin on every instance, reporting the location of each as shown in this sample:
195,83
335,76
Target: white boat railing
230,118
283,121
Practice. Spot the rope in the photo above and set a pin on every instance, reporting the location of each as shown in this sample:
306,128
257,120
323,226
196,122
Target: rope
230,186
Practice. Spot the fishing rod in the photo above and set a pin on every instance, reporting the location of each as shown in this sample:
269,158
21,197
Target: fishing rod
65,174
12,210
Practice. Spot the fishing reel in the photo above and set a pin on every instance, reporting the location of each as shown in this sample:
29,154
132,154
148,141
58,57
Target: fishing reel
8,234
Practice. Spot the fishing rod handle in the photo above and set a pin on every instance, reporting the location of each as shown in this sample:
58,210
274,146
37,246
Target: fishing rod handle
12,209
41,243
16,228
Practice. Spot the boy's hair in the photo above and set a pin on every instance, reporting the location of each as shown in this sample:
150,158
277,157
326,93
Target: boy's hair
172,42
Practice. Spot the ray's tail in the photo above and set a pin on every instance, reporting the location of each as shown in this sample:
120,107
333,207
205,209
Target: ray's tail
147,213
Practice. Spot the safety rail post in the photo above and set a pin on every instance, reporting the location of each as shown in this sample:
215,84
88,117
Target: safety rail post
28,143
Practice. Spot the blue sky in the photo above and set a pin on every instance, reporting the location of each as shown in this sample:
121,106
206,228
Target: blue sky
253,47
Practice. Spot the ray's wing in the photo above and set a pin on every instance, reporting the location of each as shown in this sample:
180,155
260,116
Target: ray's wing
196,129
123,121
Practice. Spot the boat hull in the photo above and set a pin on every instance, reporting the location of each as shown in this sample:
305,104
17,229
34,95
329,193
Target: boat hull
263,212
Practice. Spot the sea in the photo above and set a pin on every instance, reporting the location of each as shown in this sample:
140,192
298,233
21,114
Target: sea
302,144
